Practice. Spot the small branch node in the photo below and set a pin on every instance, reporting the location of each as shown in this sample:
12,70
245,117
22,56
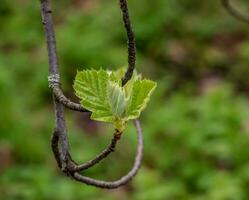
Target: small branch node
54,80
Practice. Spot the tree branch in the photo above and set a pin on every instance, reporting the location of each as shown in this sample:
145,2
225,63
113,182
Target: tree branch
65,101
131,42
234,12
55,149
54,78
123,180
60,133
61,129
59,138
99,157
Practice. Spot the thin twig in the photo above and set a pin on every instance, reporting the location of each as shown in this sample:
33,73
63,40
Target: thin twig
131,42
65,101
234,12
125,179
59,138
54,83
54,146
61,128
99,157
54,78
51,42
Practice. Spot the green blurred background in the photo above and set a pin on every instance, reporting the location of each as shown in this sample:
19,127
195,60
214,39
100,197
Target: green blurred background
196,125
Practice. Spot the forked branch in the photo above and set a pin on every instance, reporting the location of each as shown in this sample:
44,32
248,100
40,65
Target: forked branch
54,83
54,78
111,148
72,165
59,141
125,179
108,184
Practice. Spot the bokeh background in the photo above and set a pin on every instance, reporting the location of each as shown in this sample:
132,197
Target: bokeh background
196,126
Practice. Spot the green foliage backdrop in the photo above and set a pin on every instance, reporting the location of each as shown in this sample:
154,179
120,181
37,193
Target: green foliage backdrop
196,126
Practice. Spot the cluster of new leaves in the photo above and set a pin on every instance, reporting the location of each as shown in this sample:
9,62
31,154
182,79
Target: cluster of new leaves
102,93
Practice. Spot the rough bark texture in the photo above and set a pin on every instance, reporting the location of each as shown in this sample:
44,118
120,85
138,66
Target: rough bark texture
54,77
59,141
131,42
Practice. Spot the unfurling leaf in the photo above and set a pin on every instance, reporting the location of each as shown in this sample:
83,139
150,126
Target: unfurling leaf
140,95
102,94
117,99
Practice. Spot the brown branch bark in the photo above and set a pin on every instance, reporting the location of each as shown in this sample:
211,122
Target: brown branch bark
131,42
54,78
111,148
123,180
61,129
54,83
59,141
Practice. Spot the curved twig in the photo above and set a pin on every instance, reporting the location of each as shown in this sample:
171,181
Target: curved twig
125,179
60,133
54,80
111,148
72,167
65,101
62,155
234,12
122,181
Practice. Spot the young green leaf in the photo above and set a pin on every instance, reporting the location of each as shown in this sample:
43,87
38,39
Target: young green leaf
102,94
117,76
140,95
91,87
117,99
